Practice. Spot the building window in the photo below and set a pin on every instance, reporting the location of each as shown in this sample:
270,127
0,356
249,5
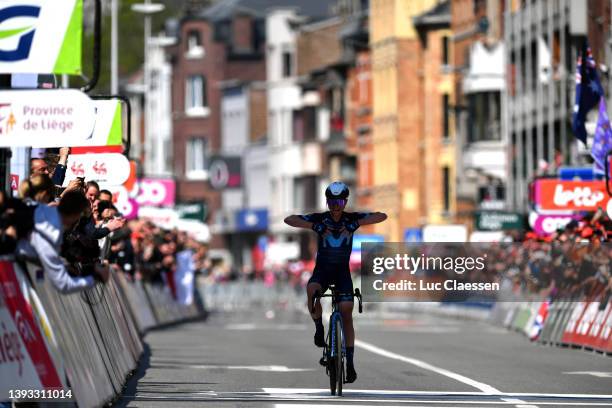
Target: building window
305,193
194,45
445,117
287,64
446,187
195,158
484,121
445,50
305,125
195,96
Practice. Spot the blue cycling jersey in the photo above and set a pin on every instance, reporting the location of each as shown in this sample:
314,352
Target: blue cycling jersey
335,247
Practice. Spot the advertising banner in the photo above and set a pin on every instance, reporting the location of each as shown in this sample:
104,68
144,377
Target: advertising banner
225,172
252,219
108,128
192,211
144,193
445,233
49,118
498,221
559,195
413,235
25,362
105,168
590,325
547,224
576,173
40,36
155,192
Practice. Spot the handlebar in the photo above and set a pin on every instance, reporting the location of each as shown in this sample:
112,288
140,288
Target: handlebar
318,295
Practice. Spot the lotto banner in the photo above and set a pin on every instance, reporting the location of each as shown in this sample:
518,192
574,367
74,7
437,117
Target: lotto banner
558,195
41,36
25,361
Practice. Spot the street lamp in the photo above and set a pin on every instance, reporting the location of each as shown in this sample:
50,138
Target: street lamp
147,9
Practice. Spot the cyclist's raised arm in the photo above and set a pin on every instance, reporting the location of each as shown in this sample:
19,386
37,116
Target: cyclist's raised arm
298,221
372,218
309,221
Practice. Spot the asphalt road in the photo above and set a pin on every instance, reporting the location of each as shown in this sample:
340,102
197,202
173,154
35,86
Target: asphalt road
263,356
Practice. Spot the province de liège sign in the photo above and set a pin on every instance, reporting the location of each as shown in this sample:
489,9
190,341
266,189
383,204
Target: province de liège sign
48,118
41,36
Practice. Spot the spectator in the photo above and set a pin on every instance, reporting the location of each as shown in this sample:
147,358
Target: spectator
92,191
40,166
37,189
45,240
105,195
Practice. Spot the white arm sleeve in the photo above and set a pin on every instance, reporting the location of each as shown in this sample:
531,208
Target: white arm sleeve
55,269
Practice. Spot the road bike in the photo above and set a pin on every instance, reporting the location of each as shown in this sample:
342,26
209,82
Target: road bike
334,350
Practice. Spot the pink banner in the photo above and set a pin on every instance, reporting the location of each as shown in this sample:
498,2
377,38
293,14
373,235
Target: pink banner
547,224
155,192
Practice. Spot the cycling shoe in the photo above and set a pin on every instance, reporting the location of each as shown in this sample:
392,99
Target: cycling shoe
351,375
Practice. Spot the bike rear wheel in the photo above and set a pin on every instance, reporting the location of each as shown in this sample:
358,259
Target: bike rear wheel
339,361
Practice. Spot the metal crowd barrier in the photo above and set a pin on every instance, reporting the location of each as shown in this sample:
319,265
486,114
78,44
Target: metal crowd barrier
93,337
579,324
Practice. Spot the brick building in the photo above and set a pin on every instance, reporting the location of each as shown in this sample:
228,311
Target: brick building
413,174
224,42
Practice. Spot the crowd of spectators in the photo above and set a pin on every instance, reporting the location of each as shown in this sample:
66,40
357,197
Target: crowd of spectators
575,261
77,236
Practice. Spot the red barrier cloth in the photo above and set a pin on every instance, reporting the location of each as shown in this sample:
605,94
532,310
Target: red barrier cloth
23,317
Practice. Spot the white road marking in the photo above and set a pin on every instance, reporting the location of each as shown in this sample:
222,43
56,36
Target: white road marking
264,368
309,401
600,374
486,388
444,398
252,326
438,404
241,326
409,393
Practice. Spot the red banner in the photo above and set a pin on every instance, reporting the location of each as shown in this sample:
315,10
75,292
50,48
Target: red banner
23,318
590,326
559,195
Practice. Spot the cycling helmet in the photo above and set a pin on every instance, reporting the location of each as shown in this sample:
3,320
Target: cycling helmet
337,190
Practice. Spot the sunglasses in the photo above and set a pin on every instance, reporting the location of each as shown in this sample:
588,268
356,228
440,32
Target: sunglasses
336,202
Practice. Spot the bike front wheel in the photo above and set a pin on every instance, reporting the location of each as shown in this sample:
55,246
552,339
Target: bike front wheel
339,360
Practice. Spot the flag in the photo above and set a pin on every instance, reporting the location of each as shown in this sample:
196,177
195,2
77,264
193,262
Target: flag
588,91
602,143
